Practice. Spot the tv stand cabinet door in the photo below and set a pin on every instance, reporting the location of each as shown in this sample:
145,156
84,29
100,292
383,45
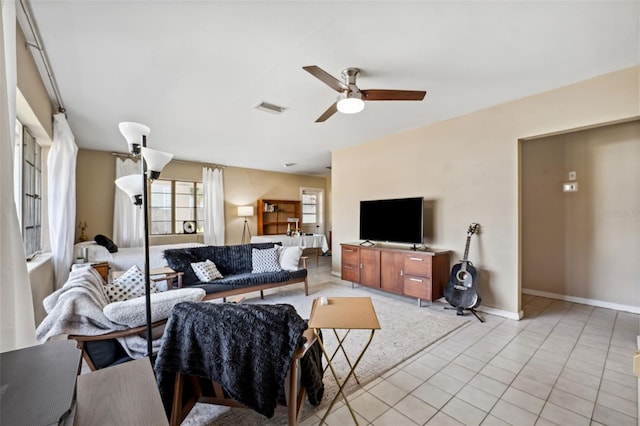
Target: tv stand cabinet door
351,263
370,267
392,264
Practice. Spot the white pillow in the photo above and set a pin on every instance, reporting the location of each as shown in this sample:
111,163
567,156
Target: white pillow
265,260
206,271
128,286
289,257
132,312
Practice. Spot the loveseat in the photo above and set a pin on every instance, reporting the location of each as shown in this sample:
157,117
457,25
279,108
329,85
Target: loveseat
238,269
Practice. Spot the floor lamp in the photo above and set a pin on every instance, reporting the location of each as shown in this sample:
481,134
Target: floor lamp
136,187
245,211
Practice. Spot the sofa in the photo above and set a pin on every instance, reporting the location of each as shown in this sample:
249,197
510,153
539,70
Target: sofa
238,269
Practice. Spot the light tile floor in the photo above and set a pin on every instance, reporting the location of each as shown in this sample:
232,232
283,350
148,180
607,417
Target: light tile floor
563,364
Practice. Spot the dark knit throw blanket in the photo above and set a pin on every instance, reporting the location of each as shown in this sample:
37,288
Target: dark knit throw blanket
246,348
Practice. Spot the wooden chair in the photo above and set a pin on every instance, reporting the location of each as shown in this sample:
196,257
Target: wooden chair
205,391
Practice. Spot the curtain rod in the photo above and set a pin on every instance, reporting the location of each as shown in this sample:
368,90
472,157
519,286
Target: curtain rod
43,56
131,157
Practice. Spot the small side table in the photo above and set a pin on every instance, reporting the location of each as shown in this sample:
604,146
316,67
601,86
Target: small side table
101,267
159,274
125,394
347,313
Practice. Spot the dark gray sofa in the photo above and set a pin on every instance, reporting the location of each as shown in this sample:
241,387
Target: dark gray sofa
234,263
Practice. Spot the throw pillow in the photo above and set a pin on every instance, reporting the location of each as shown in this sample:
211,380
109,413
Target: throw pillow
132,312
289,257
106,243
265,260
206,271
128,286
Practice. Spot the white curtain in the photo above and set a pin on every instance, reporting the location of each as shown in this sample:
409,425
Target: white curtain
62,197
17,324
213,206
127,218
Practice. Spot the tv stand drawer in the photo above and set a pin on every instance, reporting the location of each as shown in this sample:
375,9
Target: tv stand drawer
419,287
417,264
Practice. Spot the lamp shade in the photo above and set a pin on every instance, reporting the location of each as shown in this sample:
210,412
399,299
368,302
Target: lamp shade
350,105
156,160
132,185
245,211
133,133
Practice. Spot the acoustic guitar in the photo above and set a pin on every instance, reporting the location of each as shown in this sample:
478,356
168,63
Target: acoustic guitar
461,291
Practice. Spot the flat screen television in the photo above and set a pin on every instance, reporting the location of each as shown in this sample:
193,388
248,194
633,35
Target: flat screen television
398,220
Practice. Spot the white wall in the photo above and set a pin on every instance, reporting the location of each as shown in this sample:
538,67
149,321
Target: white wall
469,168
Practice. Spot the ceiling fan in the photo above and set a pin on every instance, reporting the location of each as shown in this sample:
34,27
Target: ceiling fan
351,99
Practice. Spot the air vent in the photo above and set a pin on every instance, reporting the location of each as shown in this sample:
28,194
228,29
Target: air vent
267,107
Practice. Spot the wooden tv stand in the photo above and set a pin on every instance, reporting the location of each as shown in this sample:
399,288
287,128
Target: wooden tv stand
416,273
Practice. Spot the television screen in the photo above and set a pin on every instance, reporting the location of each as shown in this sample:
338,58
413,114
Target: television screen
395,220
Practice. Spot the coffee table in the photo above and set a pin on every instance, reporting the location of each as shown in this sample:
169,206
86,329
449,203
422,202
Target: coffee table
346,313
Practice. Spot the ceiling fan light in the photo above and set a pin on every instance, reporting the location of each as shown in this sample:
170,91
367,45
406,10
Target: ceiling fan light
351,105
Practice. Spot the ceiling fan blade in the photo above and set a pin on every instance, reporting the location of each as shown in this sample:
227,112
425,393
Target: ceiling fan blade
328,113
326,78
393,95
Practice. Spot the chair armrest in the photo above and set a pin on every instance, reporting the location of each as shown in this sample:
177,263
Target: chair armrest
311,339
304,261
116,334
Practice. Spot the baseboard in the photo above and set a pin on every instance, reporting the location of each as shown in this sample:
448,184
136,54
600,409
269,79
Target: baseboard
500,312
583,301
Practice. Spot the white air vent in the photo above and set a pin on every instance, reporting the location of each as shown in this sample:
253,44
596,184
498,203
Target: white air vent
267,107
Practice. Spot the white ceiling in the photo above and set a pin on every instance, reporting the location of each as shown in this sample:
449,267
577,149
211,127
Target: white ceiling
193,70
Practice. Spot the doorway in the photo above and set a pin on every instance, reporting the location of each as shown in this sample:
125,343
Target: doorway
312,210
580,210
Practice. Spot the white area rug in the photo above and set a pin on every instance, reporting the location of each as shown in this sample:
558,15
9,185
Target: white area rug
405,330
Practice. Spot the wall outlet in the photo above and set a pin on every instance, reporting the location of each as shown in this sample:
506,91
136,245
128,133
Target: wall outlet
572,176
570,187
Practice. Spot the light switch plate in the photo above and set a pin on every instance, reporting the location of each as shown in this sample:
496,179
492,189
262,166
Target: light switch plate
570,187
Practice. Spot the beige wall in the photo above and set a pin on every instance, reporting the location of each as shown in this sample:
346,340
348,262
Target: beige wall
34,106
96,190
468,168
583,244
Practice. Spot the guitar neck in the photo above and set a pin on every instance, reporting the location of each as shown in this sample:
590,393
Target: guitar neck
466,250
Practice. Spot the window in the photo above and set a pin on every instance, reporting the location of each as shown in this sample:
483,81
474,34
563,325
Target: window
28,189
174,202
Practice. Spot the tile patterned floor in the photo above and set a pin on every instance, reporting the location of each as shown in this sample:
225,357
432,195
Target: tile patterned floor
563,364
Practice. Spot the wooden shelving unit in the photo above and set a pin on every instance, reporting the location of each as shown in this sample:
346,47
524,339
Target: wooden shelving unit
273,215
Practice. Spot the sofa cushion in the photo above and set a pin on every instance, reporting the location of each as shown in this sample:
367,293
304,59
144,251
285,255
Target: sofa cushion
206,271
105,353
106,242
265,260
246,280
129,286
289,257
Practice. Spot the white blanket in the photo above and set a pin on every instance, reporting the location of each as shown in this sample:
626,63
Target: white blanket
77,308
126,257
